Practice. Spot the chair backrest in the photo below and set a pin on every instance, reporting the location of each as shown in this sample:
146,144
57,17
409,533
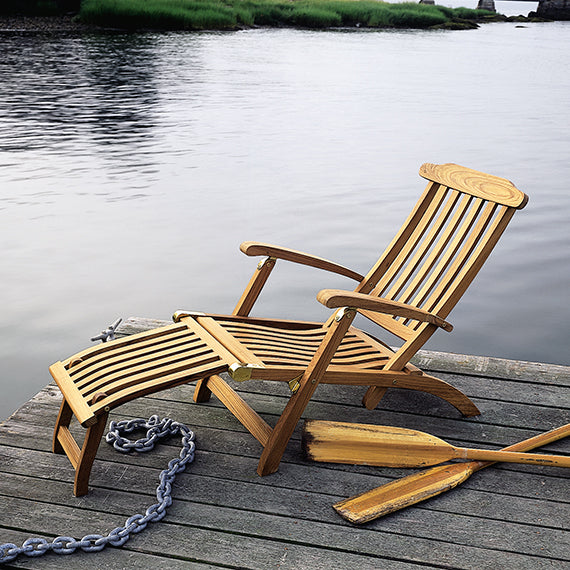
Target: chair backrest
441,247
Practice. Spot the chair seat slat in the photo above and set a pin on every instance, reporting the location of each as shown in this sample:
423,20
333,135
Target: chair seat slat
253,330
123,392
270,341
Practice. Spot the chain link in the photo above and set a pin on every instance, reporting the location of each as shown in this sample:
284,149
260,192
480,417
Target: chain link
156,429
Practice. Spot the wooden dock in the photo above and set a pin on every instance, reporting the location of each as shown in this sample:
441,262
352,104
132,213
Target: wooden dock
225,516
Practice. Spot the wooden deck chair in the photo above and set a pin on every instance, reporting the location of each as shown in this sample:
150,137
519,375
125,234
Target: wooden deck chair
408,292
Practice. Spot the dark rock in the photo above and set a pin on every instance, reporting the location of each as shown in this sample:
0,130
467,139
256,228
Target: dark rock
554,9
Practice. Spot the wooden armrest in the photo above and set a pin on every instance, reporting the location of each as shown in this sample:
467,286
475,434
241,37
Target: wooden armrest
254,248
333,298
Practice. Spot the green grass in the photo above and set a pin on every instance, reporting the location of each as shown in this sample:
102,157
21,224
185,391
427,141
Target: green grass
233,14
161,14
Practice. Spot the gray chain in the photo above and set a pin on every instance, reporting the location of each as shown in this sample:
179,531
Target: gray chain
157,429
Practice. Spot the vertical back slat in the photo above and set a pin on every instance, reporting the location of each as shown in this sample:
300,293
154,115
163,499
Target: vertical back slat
422,249
390,253
449,297
406,250
446,258
466,245
438,249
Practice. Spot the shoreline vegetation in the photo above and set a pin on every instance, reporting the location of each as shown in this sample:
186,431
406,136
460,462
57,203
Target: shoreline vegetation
233,14
195,15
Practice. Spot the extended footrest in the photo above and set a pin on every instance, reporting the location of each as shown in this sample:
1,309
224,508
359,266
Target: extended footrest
100,378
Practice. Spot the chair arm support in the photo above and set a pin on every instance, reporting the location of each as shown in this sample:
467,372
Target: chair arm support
333,298
254,248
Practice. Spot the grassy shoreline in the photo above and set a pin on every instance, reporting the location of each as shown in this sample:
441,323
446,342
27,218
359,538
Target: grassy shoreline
233,14
239,14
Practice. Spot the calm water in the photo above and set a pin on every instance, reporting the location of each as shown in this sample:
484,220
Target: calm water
132,166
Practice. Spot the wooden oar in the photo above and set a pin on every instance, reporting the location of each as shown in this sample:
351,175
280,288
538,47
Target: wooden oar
421,486
364,444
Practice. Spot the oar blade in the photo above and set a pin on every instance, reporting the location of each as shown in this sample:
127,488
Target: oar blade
364,444
403,492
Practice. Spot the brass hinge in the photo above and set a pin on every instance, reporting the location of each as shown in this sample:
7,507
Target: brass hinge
295,383
241,371
344,312
179,315
268,261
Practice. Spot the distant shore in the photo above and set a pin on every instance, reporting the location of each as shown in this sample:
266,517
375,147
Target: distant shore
71,23
65,23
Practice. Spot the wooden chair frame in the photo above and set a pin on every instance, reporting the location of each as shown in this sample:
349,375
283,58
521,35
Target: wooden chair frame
409,292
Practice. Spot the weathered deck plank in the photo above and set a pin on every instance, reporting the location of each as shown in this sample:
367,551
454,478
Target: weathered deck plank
224,515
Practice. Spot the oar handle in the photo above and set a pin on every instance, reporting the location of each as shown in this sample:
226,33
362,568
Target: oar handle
531,443
514,457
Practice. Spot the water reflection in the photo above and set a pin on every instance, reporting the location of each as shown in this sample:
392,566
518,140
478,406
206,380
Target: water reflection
80,98
121,72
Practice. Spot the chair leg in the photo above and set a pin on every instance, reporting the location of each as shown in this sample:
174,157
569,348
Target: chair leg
373,396
81,459
283,430
63,421
273,450
87,455
202,393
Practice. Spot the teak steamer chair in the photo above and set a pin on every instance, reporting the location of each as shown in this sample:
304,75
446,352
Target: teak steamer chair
409,292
